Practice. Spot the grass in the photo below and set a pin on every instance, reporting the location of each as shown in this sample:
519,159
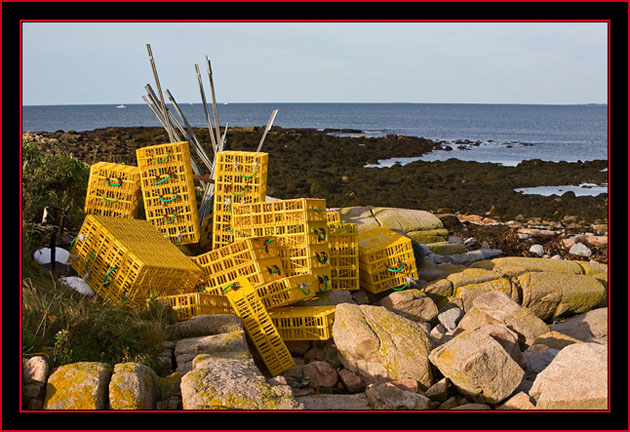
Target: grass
69,327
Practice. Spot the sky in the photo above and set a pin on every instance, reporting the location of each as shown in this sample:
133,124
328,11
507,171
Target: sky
525,63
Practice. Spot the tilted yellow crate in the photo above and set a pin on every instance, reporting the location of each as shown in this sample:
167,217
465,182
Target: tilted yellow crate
189,305
288,290
113,190
304,323
128,260
168,191
257,258
258,326
386,260
240,177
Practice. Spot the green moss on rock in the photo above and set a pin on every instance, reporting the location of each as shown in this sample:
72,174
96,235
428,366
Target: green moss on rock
78,386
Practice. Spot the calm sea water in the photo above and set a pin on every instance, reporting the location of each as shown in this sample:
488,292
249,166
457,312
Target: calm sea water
551,132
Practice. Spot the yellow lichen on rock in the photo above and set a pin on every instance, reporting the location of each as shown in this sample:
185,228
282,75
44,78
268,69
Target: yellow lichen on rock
78,386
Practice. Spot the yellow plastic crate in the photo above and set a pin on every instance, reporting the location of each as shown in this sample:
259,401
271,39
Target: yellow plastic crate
189,305
258,326
333,217
381,247
113,190
279,213
257,258
300,234
344,256
304,323
387,279
288,290
240,177
128,260
168,190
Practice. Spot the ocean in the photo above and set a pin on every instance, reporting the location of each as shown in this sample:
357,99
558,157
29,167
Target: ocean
505,134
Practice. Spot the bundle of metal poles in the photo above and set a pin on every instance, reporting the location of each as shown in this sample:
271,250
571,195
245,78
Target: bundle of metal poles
181,130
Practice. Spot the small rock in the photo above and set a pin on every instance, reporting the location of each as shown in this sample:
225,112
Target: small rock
520,401
472,407
407,384
557,257
537,249
448,404
438,391
352,381
298,347
580,249
523,236
361,297
320,374
450,317
437,335
455,239
387,396
314,354
35,370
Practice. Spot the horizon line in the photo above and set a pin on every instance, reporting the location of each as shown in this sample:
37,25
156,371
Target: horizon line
333,102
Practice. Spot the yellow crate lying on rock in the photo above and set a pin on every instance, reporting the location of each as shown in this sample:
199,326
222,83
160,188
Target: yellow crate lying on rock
128,260
240,177
304,323
386,260
189,305
113,190
288,290
257,258
333,217
344,256
258,326
168,190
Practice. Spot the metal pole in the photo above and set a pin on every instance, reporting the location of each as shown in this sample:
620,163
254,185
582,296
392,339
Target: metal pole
157,83
269,123
205,108
215,111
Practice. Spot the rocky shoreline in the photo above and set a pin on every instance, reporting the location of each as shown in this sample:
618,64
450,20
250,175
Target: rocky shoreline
308,162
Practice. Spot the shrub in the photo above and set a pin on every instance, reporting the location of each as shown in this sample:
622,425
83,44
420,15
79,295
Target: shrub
52,180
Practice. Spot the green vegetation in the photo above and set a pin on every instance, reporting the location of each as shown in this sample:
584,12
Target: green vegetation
50,180
68,327
57,321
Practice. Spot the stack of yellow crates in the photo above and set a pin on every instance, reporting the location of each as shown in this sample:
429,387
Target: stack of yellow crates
386,260
168,191
127,260
258,259
240,177
113,190
344,256
300,228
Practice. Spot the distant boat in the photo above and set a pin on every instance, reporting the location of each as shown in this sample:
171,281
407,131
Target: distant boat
121,106
225,103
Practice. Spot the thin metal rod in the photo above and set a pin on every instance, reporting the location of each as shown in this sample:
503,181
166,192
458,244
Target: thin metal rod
224,135
205,108
159,88
198,148
215,111
153,97
195,167
269,123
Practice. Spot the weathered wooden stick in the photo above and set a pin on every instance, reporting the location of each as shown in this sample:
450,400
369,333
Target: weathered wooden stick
269,123
205,108
157,83
215,111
